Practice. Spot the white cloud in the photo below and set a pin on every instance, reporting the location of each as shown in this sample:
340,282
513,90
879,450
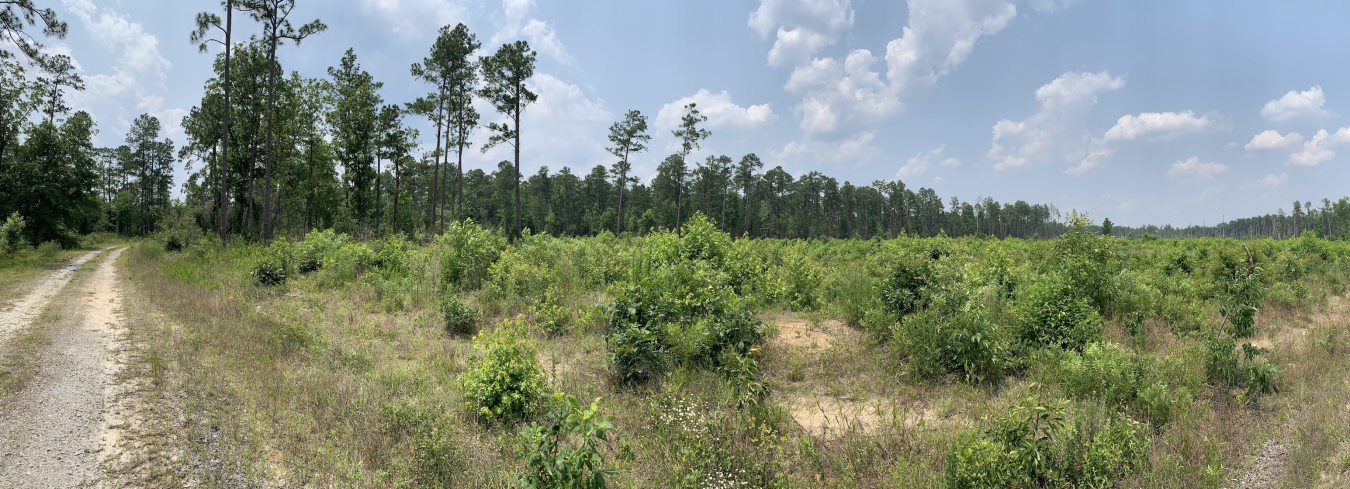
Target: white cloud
540,34
1157,126
429,15
563,128
1053,132
1318,149
832,90
1147,126
719,109
1271,139
1192,169
856,151
139,73
919,164
803,27
1273,180
939,37
1295,104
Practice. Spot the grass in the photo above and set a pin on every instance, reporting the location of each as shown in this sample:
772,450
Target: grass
350,382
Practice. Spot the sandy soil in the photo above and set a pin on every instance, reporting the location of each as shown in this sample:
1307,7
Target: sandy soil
27,308
52,432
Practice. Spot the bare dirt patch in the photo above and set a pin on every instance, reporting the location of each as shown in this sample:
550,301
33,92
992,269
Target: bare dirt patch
798,333
14,317
832,417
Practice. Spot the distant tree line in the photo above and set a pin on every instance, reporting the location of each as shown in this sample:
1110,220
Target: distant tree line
270,153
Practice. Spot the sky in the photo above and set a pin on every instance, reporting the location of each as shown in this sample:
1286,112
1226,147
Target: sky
1143,111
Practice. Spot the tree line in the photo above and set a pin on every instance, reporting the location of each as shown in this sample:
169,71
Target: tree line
274,153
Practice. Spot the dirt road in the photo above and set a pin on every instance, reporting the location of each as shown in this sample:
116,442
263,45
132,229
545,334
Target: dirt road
27,308
53,431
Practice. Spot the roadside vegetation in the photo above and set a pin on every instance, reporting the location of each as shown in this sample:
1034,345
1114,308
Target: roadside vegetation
696,360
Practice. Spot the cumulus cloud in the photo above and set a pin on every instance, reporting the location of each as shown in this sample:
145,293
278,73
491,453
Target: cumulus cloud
540,34
430,15
136,82
1296,104
801,27
857,151
1147,126
1192,169
1052,134
919,164
1273,180
719,109
1318,149
1271,139
939,36
1157,126
563,128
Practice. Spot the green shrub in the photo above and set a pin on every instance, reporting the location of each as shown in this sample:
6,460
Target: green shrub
565,453
173,242
1105,371
316,246
966,343
1035,445
504,380
636,352
849,290
348,261
902,290
11,233
392,256
48,250
1160,403
268,272
467,251
459,319
802,277
550,317
1053,314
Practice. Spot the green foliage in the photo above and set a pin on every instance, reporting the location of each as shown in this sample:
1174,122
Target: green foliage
1054,314
173,242
467,251
550,316
902,289
504,381
49,249
565,452
316,247
459,319
269,272
1035,445
11,233
966,343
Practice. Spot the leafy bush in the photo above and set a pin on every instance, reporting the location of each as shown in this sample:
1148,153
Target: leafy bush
902,289
316,246
392,256
11,233
1104,371
467,251
173,242
565,453
459,319
966,342
550,317
1053,314
505,379
1034,445
268,272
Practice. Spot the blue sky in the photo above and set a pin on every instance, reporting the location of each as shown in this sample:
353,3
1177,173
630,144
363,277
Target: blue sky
1141,111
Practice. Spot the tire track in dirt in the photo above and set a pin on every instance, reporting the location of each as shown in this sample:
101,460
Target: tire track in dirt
26,309
52,432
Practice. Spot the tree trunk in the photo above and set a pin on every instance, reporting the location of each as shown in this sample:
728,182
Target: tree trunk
225,130
271,107
436,174
679,187
745,221
516,120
